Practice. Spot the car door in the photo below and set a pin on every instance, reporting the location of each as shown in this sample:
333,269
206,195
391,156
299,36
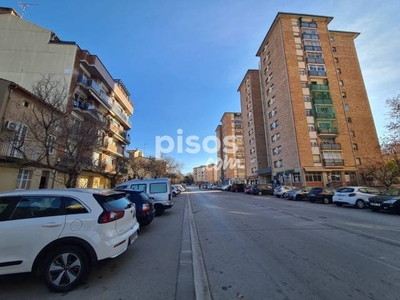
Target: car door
34,222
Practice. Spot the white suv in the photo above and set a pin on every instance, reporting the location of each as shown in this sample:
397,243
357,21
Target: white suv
60,233
354,195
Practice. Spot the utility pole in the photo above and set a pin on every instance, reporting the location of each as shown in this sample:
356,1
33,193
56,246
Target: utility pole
24,6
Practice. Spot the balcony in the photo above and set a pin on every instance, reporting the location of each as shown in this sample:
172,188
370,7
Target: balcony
324,115
310,36
331,146
319,87
88,108
317,73
327,132
89,83
312,48
333,162
321,101
315,60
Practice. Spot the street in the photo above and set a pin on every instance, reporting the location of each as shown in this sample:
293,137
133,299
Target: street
245,247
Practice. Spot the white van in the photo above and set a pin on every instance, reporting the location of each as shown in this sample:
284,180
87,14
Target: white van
159,189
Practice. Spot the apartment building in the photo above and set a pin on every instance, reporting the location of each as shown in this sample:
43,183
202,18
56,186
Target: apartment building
319,125
28,51
199,174
231,156
257,168
220,170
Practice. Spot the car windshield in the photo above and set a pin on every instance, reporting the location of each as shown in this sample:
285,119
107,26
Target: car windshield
392,192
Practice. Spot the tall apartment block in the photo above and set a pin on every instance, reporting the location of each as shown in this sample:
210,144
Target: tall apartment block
231,159
255,151
27,51
319,125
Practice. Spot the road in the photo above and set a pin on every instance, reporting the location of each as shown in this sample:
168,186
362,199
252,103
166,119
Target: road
223,245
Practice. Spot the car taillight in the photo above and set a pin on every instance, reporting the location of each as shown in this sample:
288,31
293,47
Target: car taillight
145,208
352,194
111,216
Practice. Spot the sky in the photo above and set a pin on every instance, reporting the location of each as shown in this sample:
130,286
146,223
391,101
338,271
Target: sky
183,61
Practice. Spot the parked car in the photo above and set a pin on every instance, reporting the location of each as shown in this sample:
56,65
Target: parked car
300,193
354,195
323,194
160,189
388,200
145,211
262,189
247,189
60,233
179,187
227,188
175,191
282,190
238,187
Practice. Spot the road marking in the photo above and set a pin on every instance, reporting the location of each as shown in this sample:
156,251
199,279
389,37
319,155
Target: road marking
201,286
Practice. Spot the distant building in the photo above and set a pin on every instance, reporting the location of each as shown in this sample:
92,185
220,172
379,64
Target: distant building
255,150
318,121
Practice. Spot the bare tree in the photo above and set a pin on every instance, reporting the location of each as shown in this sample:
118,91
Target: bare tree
157,167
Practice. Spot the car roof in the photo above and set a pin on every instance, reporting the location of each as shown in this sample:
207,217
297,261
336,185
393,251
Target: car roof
61,192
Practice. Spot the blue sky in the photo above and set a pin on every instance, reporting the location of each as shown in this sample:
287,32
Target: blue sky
183,61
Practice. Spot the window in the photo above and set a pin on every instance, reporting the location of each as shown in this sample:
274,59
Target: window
302,72
267,56
6,207
271,101
270,90
252,150
158,188
296,34
269,78
306,98
253,160
314,176
277,150
73,207
311,127
274,124
251,142
298,47
276,137
272,113
316,158
295,24
18,140
333,49
341,83
338,71
300,58
336,60
314,143
37,206
50,143
344,95
358,161
26,104
349,120
352,134
304,84
334,176
24,179
309,112
355,147
278,163
139,187
331,38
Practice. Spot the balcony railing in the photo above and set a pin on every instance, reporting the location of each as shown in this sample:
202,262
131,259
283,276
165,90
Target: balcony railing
316,73
312,48
324,115
321,101
311,25
310,36
315,60
333,162
319,87
90,83
331,130
331,146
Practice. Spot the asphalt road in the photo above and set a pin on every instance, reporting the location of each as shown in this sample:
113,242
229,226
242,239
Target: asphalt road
245,247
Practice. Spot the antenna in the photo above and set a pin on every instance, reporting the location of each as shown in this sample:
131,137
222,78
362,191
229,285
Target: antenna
24,6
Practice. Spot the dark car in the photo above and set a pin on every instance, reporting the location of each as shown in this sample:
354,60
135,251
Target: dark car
247,189
227,188
300,193
323,194
389,200
238,187
145,211
262,189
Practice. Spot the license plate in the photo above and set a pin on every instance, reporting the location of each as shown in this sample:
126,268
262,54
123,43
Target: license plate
374,204
133,238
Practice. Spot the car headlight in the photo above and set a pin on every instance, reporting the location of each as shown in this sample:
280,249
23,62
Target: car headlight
390,201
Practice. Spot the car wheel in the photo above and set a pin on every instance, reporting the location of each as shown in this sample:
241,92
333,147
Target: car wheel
326,200
298,198
259,193
338,204
360,204
64,268
159,209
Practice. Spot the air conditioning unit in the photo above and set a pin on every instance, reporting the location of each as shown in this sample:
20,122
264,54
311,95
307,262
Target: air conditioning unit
11,126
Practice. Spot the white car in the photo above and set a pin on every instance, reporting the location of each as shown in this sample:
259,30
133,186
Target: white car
60,233
281,191
175,190
354,195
